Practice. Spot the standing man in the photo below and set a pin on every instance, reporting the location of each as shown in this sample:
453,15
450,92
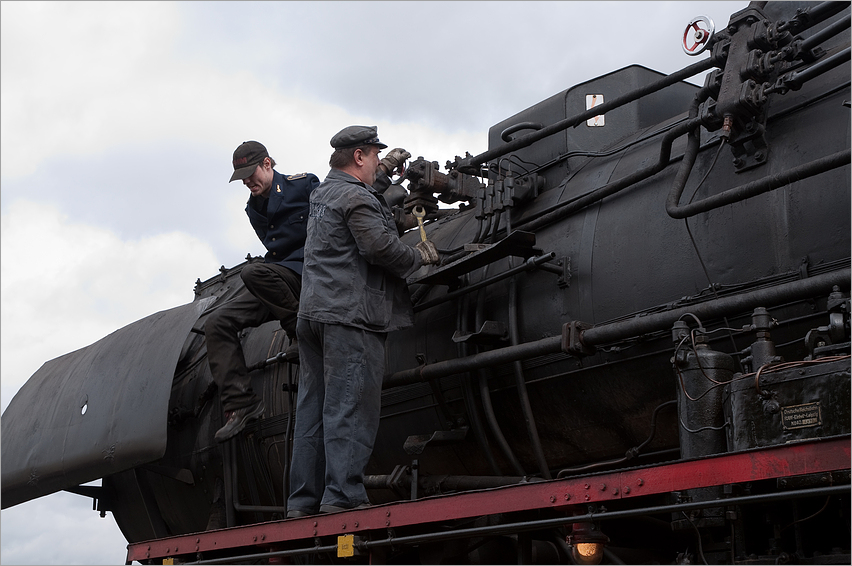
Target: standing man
353,294
277,210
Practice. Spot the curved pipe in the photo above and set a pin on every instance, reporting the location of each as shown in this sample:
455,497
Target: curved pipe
491,419
470,164
693,144
523,395
485,392
754,188
470,401
506,135
612,188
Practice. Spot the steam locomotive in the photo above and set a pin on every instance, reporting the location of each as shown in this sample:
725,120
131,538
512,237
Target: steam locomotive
636,347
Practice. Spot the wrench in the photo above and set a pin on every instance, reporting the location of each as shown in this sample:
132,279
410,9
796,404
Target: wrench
419,212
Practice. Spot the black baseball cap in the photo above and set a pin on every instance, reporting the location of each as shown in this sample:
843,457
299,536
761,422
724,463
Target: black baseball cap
247,157
354,136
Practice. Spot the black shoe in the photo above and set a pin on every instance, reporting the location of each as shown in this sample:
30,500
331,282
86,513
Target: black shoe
295,514
335,508
217,518
237,421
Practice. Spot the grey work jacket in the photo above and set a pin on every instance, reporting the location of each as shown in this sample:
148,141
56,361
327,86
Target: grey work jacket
355,263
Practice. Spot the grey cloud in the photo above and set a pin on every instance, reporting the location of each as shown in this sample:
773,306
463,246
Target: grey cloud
454,65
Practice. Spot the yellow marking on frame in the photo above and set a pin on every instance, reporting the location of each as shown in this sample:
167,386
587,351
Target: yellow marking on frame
168,560
345,546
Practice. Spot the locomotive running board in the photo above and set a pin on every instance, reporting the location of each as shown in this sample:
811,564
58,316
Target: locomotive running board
562,495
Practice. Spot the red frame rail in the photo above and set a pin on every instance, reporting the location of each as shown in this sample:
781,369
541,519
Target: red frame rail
761,464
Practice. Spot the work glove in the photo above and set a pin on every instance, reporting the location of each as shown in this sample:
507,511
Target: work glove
394,159
428,252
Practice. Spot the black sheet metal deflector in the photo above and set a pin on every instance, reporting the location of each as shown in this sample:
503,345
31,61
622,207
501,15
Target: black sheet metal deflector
96,411
516,244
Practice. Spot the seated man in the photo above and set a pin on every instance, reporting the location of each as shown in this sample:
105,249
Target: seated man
278,211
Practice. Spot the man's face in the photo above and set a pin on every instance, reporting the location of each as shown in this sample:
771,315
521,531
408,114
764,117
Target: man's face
371,166
260,182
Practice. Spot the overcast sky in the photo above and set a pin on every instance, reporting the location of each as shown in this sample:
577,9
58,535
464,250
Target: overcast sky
119,120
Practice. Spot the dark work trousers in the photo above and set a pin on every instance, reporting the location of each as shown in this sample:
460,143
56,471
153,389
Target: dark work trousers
271,293
337,414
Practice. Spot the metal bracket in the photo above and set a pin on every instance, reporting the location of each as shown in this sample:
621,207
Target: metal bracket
564,280
750,148
492,332
572,338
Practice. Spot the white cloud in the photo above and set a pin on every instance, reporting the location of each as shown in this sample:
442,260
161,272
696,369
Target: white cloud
66,285
68,532
86,84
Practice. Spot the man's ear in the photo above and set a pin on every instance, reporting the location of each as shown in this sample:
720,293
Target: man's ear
358,156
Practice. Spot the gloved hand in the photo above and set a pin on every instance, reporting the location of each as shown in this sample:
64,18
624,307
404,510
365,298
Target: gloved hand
394,159
428,252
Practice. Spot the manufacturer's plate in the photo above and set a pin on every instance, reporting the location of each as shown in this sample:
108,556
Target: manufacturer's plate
801,416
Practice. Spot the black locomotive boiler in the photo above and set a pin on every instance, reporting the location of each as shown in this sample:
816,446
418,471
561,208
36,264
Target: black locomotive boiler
636,348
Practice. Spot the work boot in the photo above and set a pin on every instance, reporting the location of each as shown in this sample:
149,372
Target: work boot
218,518
237,420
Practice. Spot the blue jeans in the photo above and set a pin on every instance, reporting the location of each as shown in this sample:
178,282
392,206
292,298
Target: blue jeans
337,414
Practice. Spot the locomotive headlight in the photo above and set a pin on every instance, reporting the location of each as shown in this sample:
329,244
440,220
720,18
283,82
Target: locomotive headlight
587,543
587,552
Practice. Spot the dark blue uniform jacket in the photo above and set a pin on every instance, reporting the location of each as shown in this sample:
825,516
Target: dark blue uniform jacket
281,220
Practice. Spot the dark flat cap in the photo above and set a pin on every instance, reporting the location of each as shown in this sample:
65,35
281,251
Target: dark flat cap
247,157
353,136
